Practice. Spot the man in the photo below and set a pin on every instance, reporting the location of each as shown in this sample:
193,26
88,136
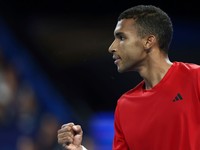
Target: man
163,111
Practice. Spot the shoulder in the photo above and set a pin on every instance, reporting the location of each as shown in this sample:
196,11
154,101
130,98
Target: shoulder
187,66
189,71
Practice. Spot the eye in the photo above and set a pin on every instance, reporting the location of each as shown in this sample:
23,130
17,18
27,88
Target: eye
121,38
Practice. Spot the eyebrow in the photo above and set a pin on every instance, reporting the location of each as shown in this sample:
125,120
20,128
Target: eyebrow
118,34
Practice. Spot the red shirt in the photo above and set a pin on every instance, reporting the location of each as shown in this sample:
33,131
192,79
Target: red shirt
166,117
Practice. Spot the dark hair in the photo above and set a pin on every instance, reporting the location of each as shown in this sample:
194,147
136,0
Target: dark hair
151,20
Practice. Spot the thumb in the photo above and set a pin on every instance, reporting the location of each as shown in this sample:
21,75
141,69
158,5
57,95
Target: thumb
78,134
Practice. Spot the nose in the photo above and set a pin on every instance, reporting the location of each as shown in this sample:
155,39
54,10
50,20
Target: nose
112,48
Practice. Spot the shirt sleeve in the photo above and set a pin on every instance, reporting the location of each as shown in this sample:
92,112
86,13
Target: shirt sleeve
198,83
119,142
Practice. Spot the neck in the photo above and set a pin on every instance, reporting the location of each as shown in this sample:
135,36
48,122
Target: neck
154,71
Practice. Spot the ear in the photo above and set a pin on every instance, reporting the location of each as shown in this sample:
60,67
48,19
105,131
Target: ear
149,41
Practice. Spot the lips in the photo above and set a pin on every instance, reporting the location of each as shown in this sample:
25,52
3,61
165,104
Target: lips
116,58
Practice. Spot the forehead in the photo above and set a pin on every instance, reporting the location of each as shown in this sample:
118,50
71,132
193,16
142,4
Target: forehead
125,25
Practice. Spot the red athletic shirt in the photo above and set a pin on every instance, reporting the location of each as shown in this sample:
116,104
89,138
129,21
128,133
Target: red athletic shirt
166,117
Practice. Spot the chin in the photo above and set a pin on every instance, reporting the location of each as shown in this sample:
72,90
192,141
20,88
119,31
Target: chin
120,70
123,70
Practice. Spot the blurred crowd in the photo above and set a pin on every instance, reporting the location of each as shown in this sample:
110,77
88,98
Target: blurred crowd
24,124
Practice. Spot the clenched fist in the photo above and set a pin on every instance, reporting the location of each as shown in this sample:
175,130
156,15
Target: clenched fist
70,136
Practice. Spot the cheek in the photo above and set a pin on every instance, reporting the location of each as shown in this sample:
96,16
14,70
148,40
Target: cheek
134,49
133,55
130,51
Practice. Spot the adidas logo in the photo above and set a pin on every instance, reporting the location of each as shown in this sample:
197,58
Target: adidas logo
178,97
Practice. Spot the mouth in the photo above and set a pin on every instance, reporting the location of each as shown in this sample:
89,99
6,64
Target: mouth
116,59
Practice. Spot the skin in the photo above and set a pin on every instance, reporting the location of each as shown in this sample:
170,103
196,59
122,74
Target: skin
130,53
70,136
134,53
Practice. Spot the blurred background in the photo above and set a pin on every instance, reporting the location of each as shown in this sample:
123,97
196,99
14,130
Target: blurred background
55,67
